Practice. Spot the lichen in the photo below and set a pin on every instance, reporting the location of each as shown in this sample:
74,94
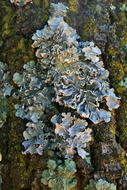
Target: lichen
20,2
73,5
101,184
124,82
34,98
5,90
75,137
60,175
61,52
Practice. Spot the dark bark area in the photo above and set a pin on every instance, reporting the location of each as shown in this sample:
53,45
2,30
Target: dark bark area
101,21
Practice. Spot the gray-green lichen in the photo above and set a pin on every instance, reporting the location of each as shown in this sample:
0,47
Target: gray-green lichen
74,69
74,134
124,82
35,98
5,90
60,175
101,184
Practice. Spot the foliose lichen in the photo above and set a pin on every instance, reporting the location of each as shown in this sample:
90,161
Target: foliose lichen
74,69
34,98
124,82
60,175
5,90
74,134
101,184
68,72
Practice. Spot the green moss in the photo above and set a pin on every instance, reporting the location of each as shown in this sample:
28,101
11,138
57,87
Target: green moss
7,29
21,44
122,123
46,3
122,28
117,71
89,29
37,2
124,160
73,5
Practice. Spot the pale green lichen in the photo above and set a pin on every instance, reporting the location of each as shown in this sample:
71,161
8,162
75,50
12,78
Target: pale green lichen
5,90
60,175
101,184
124,82
35,98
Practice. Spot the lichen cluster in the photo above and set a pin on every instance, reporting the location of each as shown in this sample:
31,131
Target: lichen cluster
74,68
5,90
34,97
69,76
75,136
68,72
101,184
60,175
20,2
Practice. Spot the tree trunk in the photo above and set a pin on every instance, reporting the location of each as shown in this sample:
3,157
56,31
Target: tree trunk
101,21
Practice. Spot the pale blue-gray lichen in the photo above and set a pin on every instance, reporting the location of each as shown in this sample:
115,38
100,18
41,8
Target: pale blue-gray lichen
101,184
69,72
5,90
34,98
60,175
124,82
74,69
75,136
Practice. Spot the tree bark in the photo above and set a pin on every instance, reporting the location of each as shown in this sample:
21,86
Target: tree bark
101,21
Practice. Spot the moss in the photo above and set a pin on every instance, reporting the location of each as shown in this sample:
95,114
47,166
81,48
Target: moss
21,44
122,123
122,28
124,160
37,2
113,51
117,71
73,5
7,29
89,29
46,3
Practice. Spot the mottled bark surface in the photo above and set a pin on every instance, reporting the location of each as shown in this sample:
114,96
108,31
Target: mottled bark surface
101,21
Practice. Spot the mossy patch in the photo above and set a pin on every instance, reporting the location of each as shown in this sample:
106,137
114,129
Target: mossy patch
7,29
73,5
89,29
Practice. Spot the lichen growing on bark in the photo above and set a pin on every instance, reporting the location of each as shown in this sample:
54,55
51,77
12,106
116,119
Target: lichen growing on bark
101,184
60,175
75,136
63,54
5,90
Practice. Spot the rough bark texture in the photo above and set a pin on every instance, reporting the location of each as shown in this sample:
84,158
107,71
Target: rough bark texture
101,21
